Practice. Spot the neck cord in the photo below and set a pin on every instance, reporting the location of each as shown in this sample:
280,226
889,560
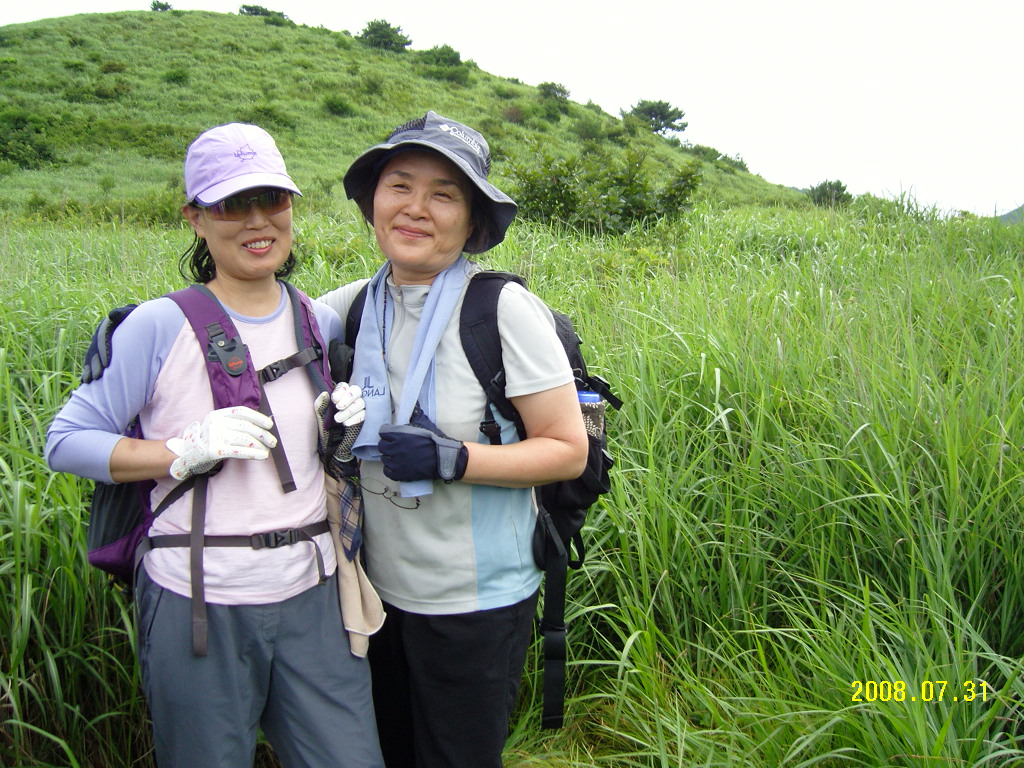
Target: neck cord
384,325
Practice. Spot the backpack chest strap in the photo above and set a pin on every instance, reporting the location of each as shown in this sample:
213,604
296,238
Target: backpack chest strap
267,540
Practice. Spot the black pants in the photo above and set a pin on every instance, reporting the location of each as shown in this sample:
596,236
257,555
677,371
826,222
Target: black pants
444,686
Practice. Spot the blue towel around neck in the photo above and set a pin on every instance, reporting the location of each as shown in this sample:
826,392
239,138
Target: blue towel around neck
370,372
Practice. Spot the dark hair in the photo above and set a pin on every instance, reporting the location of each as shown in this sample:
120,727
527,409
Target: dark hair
479,215
196,263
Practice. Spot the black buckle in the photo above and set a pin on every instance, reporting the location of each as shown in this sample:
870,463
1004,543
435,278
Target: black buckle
274,539
491,430
225,350
273,371
547,628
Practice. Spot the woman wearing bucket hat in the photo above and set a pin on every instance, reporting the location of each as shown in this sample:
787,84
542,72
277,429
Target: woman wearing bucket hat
271,605
449,517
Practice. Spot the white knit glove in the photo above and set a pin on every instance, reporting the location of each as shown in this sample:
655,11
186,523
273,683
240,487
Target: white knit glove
348,399
228,433
349,415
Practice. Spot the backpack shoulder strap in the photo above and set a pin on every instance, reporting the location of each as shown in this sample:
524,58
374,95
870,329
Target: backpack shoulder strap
97,357
233,379
481,341
309,340
354,318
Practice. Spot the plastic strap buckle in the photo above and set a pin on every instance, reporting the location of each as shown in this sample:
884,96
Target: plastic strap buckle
275,539
273,371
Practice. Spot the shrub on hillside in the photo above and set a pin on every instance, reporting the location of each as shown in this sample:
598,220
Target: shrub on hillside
379,34
454,75
112,91
177,76
441,56
598,193
548,110
554,101
676,195
373,84
590,128
268,116
504,91
338,106
25,138
830,194
714,157
274,18
550,190
513,113
442,62
556,93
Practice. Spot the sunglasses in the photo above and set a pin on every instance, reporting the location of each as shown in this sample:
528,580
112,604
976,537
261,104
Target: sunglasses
237,207
377,489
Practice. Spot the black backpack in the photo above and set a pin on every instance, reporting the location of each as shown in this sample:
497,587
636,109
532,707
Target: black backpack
563,505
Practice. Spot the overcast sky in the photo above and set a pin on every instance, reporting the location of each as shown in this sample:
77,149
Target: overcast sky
895,97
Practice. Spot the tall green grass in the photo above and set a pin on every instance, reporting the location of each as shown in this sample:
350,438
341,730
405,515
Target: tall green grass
818,482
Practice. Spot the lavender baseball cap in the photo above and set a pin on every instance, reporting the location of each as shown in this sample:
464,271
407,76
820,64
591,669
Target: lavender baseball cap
459,143
230,158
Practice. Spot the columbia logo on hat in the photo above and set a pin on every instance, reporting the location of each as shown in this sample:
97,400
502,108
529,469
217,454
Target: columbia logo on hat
245,152
465,137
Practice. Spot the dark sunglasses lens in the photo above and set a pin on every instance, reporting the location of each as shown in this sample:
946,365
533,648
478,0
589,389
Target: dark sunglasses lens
234,207
274,201
237,207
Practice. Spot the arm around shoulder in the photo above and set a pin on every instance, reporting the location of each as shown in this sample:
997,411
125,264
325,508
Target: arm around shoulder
340,299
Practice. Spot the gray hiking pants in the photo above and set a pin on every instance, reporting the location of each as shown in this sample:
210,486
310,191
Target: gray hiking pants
284,667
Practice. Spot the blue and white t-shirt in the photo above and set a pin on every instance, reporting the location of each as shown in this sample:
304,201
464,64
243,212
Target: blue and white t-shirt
465,547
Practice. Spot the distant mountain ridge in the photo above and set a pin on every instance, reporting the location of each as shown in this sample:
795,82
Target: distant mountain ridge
1013,216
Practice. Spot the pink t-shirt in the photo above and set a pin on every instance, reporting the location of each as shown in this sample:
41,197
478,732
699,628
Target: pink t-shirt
158,371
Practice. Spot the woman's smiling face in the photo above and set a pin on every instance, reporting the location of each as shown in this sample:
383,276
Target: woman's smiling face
251,248
421,215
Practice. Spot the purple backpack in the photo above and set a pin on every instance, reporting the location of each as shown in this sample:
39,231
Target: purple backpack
120,514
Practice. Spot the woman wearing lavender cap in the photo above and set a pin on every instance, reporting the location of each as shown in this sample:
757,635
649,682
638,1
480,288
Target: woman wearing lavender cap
265,648
449,516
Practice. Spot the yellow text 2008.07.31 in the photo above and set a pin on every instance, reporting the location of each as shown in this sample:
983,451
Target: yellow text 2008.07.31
926,690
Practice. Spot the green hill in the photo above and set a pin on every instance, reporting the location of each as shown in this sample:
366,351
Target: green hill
98,109
1014,216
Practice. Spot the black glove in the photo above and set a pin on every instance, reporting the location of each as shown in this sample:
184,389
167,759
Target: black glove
421,452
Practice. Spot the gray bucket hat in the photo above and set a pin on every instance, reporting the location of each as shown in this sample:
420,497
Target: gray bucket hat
457,142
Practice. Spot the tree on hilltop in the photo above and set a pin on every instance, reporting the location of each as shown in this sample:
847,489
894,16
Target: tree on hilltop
379,34
554,91
660,116
830,194
274,18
